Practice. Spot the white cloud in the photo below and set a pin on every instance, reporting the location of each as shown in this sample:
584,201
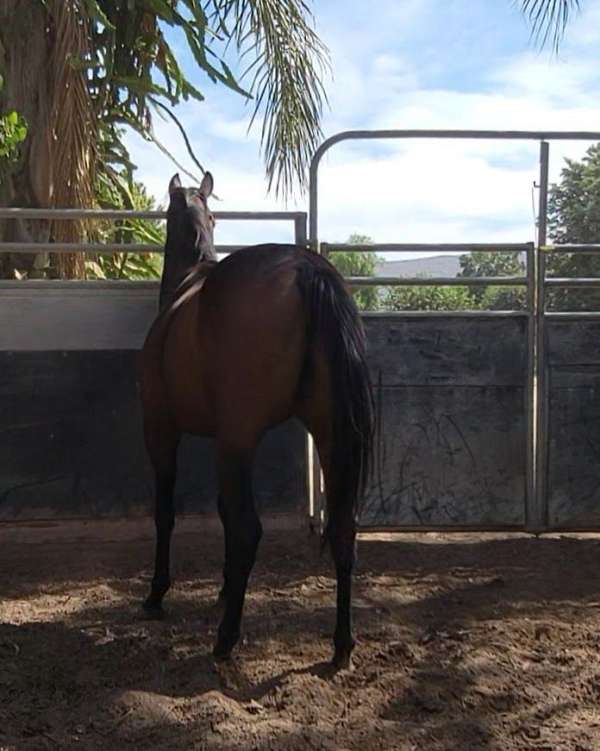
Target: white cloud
417,191
430,192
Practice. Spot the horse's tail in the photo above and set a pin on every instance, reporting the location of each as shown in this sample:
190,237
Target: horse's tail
334,322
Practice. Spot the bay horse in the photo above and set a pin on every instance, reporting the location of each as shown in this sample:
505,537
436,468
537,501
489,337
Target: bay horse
239,346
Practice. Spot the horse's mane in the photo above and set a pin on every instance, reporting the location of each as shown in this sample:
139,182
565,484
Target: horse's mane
190,285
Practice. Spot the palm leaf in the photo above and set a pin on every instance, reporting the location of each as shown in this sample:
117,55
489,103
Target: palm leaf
289,65
549,19
73,141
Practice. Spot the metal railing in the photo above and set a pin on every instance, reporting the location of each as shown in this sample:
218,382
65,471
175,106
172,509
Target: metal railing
440,281
299,219
545,283
534,280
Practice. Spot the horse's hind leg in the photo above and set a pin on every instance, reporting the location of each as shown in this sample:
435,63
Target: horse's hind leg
243,531
162,441
341,535
340,532
221,508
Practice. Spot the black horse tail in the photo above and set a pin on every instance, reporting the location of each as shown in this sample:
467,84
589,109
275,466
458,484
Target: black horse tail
334,322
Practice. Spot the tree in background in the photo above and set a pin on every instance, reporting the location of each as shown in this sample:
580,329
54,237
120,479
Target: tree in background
428,298
126,265
80,70
574,217
501,263
13,131
358,263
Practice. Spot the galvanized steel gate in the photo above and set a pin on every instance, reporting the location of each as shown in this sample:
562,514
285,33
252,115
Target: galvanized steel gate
486,420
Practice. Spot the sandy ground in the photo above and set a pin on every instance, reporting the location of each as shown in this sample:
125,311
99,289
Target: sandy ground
466,642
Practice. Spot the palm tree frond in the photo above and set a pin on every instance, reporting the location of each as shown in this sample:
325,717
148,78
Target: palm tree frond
72,143
549,19
290,63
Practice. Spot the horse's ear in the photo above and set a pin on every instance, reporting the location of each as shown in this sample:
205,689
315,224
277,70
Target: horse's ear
206,186
174,183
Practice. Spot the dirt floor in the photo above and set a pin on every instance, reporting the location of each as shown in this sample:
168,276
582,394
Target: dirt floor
466,642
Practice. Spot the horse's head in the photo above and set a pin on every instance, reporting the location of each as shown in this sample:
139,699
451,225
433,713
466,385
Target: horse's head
189,220
190,230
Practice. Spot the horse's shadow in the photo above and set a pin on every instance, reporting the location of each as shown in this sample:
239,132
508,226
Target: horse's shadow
108,650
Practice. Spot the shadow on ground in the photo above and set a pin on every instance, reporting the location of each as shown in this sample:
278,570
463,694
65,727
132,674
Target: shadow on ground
464,643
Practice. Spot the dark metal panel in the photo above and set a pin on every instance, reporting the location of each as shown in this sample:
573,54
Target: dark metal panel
573,343
71,443
452,421
573,468
449,456
448,351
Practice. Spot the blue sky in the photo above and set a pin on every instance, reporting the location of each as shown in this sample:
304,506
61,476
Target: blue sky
407,64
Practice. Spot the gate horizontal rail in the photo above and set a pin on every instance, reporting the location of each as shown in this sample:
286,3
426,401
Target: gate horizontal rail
436,281
571,248
95,248
101,214
299,219
424,247
559,281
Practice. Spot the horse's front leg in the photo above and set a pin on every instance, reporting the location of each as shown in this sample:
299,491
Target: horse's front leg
243,531
221,508
162,442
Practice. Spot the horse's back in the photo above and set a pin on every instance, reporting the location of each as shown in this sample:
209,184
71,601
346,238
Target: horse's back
255,333
234,354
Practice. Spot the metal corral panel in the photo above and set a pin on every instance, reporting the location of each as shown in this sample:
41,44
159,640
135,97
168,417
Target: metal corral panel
59,315
71,440
452,408
573,357
71,444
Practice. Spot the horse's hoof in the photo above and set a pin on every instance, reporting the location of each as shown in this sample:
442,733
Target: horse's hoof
224,647
222,653
342,661
153,610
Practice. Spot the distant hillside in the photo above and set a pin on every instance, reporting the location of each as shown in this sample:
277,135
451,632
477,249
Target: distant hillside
431,266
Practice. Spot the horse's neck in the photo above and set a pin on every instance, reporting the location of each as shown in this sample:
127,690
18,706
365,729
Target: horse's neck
176,278
191,284
196,275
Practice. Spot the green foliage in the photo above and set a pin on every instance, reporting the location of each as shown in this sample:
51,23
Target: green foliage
502,263
133,70
358,263
504,298
574,204
13,131
574,217
289,61
120,194
428,298
435,298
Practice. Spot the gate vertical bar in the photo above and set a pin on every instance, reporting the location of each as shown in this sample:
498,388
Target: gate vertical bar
530,400
312,489
300,237
316,505
537,517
